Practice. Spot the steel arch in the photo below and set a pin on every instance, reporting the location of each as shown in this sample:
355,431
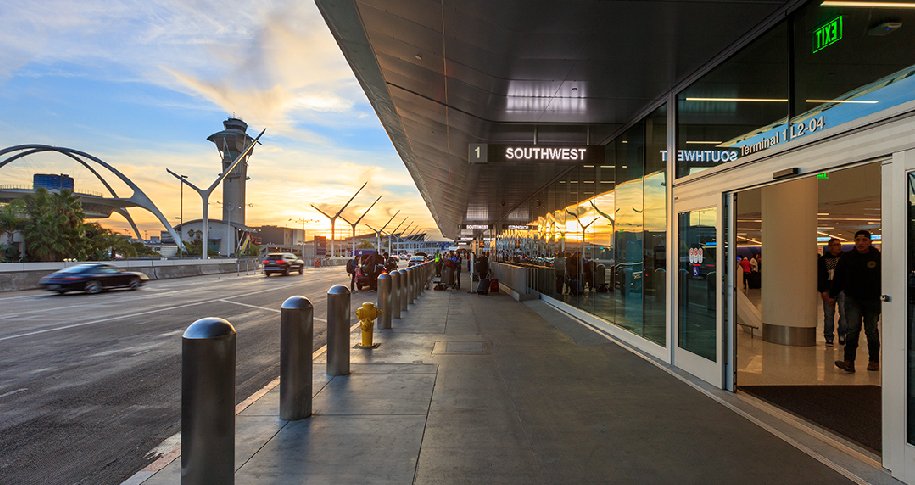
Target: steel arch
139,197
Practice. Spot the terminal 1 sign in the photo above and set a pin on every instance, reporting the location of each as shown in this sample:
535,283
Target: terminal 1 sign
486,153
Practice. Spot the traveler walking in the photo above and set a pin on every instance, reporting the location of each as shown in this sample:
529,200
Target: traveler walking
858,275
826,268
481,266
351,267
457,270
745,265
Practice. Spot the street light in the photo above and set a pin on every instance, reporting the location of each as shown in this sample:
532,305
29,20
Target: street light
303,221
205,193
333,219
354,224
181,180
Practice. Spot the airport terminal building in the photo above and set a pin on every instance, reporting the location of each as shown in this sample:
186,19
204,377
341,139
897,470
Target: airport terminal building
629,156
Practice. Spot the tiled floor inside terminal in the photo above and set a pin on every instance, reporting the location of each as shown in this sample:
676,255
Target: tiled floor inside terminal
761,363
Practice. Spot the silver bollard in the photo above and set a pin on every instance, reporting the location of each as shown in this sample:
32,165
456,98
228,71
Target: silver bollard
384,301
208,402
411,275
395,294
404,290
338,323
297,338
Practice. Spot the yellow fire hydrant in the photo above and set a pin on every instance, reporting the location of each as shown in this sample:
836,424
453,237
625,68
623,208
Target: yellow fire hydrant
367,314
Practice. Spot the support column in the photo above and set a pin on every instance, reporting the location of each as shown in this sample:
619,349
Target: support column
789,215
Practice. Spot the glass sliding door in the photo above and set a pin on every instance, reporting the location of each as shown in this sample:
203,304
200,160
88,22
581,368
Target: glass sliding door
898,314
697,332
698,321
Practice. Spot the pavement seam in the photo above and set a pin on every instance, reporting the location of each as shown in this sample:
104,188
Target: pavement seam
768,428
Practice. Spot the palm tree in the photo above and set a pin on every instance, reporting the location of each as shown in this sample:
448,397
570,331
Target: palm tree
54,226
11,220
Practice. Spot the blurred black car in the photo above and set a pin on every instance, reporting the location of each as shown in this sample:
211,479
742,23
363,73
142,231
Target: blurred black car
92,278
282,263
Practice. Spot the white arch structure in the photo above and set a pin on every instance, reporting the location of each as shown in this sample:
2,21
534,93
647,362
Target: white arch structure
139,198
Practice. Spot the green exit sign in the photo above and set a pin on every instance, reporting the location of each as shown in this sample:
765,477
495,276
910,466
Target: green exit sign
827,34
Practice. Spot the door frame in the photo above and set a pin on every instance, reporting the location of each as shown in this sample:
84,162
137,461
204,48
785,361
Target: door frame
898,454
711,372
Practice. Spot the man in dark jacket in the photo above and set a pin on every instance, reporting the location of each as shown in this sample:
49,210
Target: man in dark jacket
481,266
826,268
858,275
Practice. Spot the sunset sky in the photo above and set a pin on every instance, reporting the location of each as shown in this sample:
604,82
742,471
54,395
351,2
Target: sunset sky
142,84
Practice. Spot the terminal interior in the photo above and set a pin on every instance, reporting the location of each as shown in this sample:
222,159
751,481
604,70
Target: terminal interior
802,379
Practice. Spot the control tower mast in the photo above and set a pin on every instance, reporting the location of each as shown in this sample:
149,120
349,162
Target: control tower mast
230,142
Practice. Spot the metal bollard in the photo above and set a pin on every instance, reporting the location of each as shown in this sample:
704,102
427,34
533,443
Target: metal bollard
404,289
411,275
297,337
395,294
338,323
384,301
208,402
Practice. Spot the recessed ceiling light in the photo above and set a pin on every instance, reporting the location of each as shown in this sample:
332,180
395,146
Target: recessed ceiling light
740,100
703,142
837,3
853,101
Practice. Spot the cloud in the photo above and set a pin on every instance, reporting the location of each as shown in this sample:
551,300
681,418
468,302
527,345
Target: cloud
274,64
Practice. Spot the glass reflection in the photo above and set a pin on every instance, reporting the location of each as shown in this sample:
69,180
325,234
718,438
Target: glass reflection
697,278
606,247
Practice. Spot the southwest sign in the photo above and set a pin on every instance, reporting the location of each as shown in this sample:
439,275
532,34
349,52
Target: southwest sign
485,153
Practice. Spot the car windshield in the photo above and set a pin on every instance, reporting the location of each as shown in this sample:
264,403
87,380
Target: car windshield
80,268
274,256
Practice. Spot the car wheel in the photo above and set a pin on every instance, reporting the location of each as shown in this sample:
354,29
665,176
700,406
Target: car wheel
302,269
61,292
93,287
286,272
134,284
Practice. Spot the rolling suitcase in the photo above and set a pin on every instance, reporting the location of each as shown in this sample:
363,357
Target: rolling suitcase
494,285
483,287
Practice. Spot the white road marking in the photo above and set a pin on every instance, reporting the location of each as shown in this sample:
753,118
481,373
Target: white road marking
13,392
249,306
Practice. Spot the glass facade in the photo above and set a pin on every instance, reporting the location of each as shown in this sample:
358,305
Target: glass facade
910,312
820,68
606,246
602,242
698,276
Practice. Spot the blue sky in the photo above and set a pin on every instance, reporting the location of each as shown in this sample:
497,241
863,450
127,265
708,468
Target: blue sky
142,84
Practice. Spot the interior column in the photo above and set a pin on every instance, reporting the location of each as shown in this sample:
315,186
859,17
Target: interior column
789,231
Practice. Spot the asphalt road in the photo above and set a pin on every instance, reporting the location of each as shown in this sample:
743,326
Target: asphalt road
90,383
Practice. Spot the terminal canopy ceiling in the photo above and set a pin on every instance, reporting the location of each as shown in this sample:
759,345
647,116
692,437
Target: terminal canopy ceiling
447,73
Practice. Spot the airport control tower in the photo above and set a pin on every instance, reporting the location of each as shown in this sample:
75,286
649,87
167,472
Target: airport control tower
230,142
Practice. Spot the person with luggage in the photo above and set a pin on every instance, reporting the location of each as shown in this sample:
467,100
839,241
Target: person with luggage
481,266
351,267
858,275
457,270
826,268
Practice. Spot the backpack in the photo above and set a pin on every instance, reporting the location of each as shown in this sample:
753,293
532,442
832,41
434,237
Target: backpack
350,266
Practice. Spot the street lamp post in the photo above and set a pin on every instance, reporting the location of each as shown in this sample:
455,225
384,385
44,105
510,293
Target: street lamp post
181,180
205,193
303,221
333,219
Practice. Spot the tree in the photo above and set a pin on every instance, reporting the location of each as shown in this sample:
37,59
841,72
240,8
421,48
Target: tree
54,226
11,220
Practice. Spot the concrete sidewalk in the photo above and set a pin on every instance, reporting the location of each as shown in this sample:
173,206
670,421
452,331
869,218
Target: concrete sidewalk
474,389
